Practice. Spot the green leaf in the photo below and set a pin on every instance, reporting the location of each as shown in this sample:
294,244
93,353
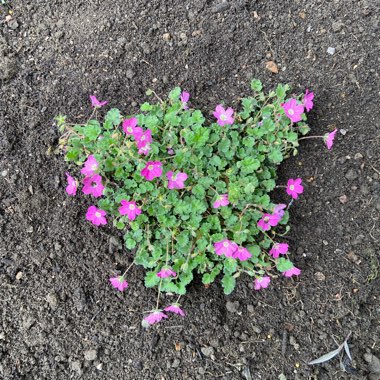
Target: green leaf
175,94
249,165
92,130
130,243
275,156
256,85
113,117
283,264
228,283
151,279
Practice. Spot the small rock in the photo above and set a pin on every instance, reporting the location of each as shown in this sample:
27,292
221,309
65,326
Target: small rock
76,366
257,329
331,50
207,351
342,132
176,363
8,68
28,322
214,343
343,199
166,37
250,308
4,173
221,7
337,26
145,48
232,307
351,175
90,355
19,276
57,246
292,342
13,24
373,362
319,276
358,156
52,300
130,73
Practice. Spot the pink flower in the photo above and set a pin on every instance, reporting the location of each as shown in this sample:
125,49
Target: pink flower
262,282
294,187
129,125
279,210
224,116
152,170
175,308
145,149
72,186
226,248
119,283
329,138
222,200
185,96
278,248
176,181
90,166
93,185
267,221
95,102
166,272
130,209
308,100
143,138
96,216
242,254
155,317
292,272
293,110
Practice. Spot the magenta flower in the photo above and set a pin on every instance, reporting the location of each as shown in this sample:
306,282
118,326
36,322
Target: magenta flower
96,103
308,100
226,248
175,308
222,200
96,216
267,221
278,248
166,272
279,210
329,138
262,282
90,166
145,149
292,272
143,138
294,187
293,110
242,254
93,185
176,181
119,283
72,186
137,131
185,96
155,317
224,116
130,209
152,170
129,125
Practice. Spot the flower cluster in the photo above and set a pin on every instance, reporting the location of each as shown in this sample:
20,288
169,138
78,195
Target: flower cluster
193,196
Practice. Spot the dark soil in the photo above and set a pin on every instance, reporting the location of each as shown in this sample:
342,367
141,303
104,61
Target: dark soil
59,317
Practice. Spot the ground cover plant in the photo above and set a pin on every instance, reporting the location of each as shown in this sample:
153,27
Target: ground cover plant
192,193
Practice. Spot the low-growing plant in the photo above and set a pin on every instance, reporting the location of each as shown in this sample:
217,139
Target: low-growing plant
192,193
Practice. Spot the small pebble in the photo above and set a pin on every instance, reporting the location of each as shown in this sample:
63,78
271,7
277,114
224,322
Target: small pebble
342,132
90,355
331,51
